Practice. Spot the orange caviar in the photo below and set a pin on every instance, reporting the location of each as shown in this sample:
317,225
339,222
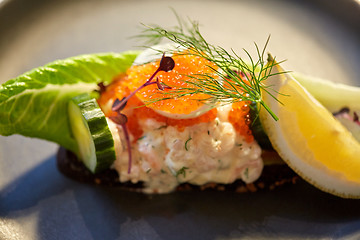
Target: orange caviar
239,116
135,109
140,112
185,65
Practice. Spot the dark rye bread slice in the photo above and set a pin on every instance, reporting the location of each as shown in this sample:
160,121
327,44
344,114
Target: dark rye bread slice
274,175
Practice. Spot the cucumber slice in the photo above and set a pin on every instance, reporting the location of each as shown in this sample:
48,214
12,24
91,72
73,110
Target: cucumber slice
91,131
257,129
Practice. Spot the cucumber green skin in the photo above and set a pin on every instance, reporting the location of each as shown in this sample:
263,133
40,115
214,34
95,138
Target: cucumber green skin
257,128
99,130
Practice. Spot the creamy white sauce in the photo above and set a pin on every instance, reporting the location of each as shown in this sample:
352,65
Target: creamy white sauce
165,157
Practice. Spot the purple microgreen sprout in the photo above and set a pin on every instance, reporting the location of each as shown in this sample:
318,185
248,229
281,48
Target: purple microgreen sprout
345,113
161,86
356,118
102,87
121,120
166,64
119,105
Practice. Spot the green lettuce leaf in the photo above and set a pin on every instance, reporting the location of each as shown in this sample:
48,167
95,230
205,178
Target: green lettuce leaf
35,103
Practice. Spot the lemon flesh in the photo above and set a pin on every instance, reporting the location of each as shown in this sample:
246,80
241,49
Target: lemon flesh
309,139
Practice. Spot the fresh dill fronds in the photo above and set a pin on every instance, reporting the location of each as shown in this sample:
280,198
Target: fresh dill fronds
232,80
186,144
182,171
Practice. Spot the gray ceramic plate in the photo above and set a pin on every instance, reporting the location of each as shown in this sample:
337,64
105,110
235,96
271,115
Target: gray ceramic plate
320,38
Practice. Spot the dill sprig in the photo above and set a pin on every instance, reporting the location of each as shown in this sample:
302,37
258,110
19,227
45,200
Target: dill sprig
232,80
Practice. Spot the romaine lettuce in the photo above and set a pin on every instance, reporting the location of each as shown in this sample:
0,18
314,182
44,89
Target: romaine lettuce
35,103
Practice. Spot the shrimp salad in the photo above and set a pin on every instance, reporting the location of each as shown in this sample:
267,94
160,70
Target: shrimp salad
214,146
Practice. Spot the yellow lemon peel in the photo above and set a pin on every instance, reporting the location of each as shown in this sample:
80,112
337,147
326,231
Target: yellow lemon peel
309,139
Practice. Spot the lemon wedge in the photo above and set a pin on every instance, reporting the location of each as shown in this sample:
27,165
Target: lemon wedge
309,139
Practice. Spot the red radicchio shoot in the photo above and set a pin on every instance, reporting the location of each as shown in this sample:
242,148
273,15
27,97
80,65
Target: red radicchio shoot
166,64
